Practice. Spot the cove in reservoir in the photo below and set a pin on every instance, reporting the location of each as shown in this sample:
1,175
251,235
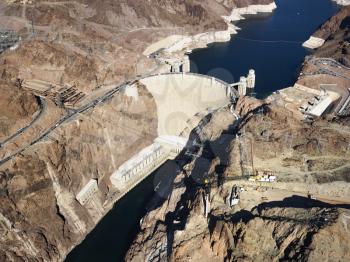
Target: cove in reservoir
257,46
269,43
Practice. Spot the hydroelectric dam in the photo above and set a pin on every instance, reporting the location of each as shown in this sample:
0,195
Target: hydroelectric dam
182,101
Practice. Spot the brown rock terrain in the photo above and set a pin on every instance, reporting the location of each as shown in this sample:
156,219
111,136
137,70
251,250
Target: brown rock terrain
336,33
88,44
17,108
333,24
93,43
271,222
279,142
304,216
38,188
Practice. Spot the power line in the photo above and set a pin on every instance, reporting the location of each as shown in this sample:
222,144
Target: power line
269,41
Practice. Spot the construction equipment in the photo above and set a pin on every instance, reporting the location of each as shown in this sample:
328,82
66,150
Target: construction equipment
263,176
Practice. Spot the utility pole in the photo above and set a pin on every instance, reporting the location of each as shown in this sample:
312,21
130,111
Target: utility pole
33,32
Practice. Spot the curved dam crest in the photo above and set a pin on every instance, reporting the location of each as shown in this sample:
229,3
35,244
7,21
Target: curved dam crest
180,97
182,101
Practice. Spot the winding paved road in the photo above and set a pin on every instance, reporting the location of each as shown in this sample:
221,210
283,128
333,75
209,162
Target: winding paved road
43,108
320,63
64,119
69,116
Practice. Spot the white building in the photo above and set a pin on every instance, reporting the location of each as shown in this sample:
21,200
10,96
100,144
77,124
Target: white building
242,87
321,107
144,162
147,160
251,80
175,144
87,192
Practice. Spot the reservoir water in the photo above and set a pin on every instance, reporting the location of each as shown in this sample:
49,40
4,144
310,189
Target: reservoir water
271,44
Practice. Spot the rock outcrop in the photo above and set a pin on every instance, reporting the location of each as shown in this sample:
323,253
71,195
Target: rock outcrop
337,34
333,32
17,108
269,223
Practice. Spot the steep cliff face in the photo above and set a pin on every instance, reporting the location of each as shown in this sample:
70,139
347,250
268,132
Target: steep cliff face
16,105
265,233
271,222
337,33
333,24
16,108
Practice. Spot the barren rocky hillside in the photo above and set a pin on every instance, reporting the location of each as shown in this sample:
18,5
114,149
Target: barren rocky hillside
100,42
333,24
17,108
40,216
270,223
336,33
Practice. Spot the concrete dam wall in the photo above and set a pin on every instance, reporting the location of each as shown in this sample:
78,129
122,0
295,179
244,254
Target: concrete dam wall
180,97
182,100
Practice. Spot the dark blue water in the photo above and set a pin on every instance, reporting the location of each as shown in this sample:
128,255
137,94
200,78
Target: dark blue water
276,65
110,239
270,44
